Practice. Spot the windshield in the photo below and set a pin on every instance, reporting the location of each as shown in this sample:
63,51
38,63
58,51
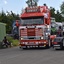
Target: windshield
32,21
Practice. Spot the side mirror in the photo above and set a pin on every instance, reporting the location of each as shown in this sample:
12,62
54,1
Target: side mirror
46,21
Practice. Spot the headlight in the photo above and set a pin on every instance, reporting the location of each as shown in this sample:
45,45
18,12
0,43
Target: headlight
48,26
42,38
26,43
21,38
46,34
44,42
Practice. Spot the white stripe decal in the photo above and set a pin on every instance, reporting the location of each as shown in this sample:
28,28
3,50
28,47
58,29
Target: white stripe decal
40,26
22,27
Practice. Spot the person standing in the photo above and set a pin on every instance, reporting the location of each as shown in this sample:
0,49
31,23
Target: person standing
60,31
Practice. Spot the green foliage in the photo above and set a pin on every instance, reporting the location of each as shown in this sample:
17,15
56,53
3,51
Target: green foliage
62,11
62,8
56,15
9,38
8,19
52,12
14,42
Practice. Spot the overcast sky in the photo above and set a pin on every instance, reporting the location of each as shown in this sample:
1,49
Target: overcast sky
17,5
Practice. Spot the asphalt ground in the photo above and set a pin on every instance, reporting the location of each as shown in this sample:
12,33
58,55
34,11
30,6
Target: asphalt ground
31,56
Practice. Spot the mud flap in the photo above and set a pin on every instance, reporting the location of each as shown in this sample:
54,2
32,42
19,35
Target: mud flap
49,44
63,42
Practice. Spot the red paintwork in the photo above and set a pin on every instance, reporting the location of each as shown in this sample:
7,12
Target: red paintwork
42,10
31,31
33,41
54,43
52,37
17,23
31,15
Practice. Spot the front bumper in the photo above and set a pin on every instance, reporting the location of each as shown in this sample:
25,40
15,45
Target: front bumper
33,42
56,46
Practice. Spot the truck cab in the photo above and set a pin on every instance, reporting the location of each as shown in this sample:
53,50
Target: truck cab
35,27
58,42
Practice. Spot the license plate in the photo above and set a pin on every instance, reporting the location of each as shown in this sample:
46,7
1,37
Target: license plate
31,43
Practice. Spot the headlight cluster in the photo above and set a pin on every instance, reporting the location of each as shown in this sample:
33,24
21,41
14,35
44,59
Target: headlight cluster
47,34
42,37
21,38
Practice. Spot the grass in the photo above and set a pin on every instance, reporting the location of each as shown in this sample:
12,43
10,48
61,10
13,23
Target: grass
14,42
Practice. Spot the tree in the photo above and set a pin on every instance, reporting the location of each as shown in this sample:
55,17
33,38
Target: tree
8,18
58,16
62,8
52,11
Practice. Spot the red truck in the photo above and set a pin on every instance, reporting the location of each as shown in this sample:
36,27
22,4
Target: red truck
34,30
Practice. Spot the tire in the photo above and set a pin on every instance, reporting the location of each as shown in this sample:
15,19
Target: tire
49,44
61,45
55,48
25,47
63,42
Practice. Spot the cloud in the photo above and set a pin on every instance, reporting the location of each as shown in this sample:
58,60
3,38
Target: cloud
5,2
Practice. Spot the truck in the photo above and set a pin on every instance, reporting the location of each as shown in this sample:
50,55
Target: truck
15,29
58,42
34,30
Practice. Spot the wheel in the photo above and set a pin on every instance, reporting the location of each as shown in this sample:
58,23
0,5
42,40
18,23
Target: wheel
49,44
61,45
63,41
24,47
57,48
